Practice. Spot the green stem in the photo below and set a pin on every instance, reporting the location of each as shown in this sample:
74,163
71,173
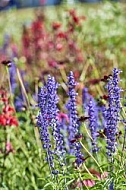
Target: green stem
83,74
91,157
87,132
11,94
23,88
87,170
63,74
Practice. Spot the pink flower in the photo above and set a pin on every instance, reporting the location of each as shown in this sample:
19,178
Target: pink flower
9,148
86,182
50,45
63,116
90,182
59,47
52,63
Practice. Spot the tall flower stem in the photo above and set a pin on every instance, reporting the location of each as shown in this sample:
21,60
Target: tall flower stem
11,94
4,155
87,170
87,132
91,157
23,88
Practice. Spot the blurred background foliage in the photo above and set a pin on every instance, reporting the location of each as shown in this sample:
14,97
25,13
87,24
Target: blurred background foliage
102,41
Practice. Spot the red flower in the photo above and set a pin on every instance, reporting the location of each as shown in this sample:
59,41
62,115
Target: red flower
6,117
83,17
56,25
3,120
37,26
5,100
50,45
72,12
80,58
62,35
52,63
13,121
8,109
76,19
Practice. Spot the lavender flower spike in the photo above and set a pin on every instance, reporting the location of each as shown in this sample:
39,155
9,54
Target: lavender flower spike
85,99
73,129
42,123
48,119
52,114
92,112
12,73
113,111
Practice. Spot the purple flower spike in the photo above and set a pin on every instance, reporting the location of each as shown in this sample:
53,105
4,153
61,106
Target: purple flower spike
42,123
113,111
73,128
85,99
13,80
111,187
48,119
93,118
53,116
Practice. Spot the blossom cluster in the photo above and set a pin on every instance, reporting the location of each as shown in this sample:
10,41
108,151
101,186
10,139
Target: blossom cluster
48,120
7,117
60,132
56,47
113,111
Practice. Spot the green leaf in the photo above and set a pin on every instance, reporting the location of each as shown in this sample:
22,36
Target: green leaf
49,184
88,176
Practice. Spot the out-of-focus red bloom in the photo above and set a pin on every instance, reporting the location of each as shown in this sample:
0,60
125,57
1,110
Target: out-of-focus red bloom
80,58
83,17
72,12
76,74
3,120
3,93
72,45
71,28
59,47
62,35
13,121
5,100
76,19
8,109
37,26
56,25
50,45
6,117
52,63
